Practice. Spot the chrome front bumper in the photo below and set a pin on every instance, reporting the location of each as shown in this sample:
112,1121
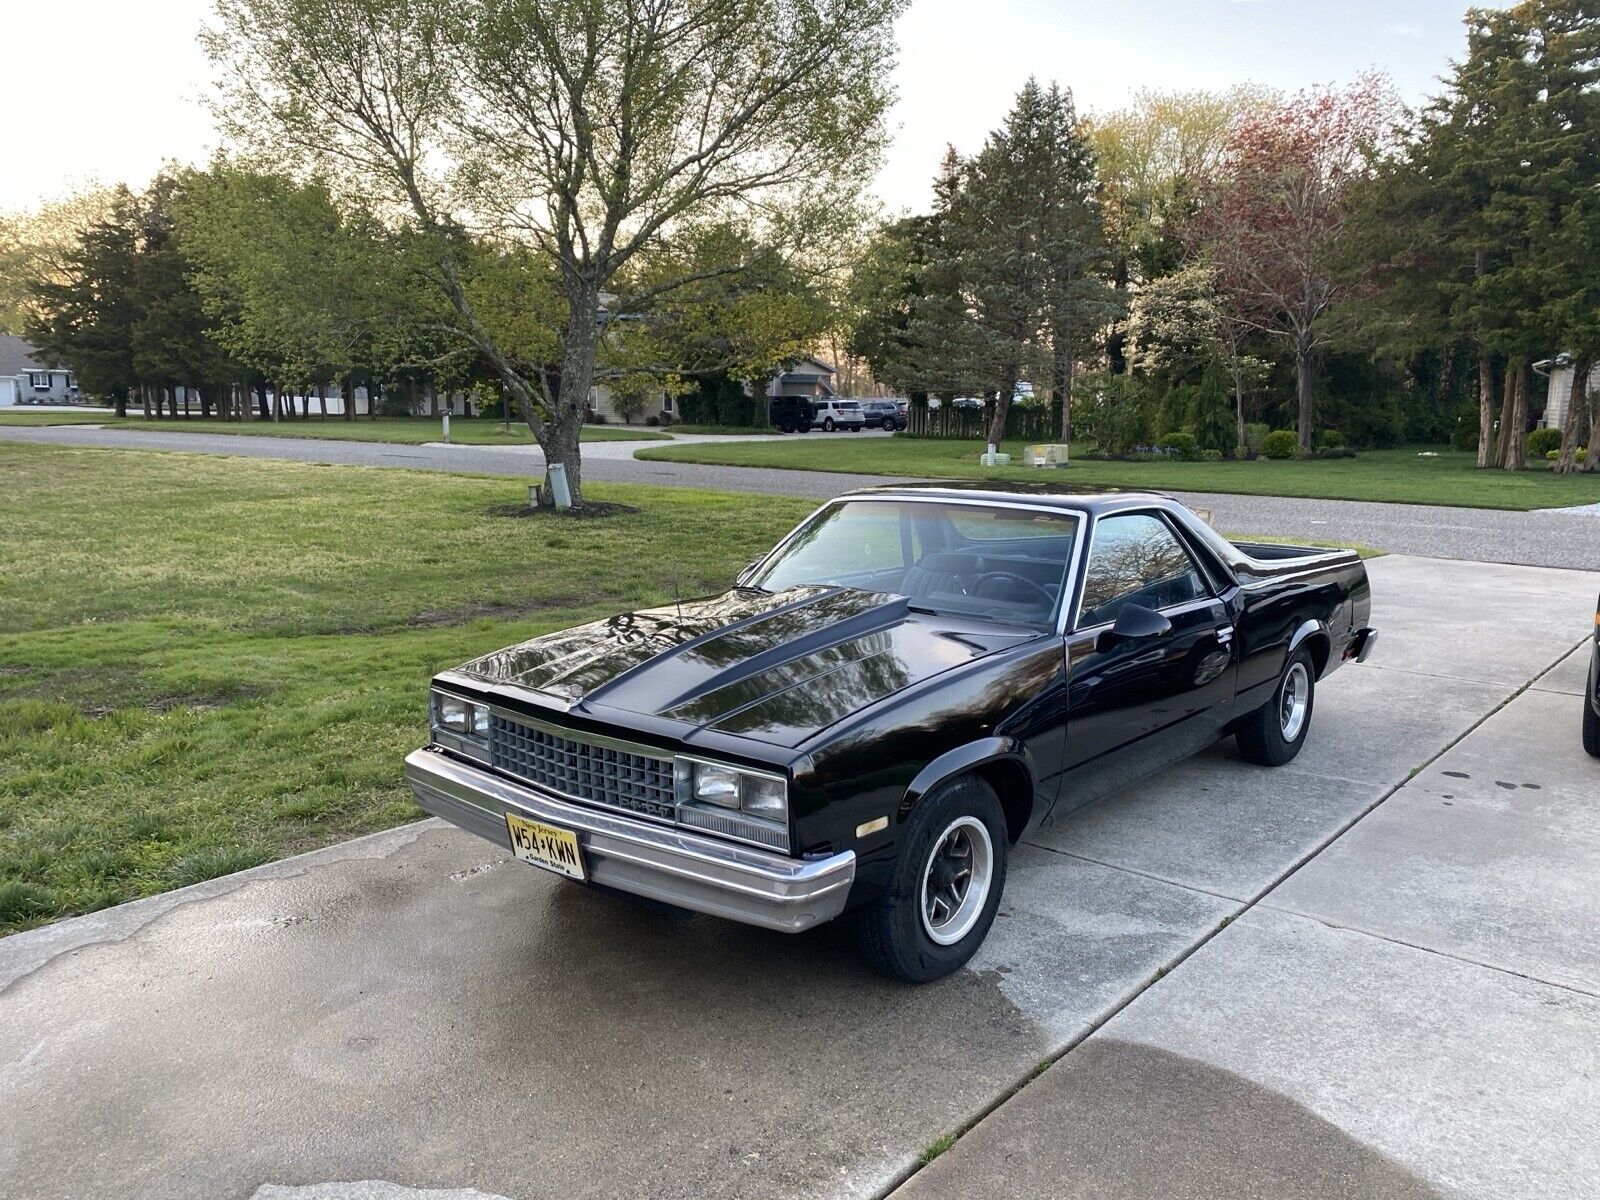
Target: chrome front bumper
741,883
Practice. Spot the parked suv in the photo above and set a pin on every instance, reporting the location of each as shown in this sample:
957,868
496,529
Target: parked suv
792,414
841,414
885,414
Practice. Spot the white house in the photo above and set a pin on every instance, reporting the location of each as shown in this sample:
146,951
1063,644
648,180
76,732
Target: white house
1561,372
26,380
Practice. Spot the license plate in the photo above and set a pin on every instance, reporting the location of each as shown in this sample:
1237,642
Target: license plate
546,846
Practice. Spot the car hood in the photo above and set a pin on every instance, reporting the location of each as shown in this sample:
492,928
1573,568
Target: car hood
776,666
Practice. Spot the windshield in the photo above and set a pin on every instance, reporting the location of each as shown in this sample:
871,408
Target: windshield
1005,564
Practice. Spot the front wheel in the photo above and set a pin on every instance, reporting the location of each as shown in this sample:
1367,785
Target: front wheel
1591,728
1274,733
946,885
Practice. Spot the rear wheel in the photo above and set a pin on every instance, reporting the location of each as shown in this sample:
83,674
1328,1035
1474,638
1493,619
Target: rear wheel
827,424
1274,733
1591,728
946,886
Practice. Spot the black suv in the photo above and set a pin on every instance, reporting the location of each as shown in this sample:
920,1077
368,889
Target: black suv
791,414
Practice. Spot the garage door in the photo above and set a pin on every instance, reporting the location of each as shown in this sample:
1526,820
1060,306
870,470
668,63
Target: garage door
8,392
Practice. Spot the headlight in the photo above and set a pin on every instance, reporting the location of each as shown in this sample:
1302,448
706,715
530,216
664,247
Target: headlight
463,725
765,796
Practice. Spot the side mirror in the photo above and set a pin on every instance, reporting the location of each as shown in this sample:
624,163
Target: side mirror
1135,623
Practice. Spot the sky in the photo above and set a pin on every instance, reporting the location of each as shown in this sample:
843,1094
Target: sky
106,90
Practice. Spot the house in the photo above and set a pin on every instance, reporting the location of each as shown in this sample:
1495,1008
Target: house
1560,372
810,377
24,379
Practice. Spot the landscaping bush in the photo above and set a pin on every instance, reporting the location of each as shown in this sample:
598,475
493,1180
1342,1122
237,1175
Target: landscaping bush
1281,444
1211,455
596,418
1541,442
652,420
1180,443
1464,434
1553,455
1330,439
1255,436
1333,452
664,420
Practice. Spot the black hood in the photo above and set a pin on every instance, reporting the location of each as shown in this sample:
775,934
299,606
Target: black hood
777,666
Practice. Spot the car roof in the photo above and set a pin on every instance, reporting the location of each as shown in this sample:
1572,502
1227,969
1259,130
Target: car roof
1044,494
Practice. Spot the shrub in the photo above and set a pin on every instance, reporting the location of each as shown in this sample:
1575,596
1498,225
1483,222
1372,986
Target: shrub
1333,452
1255,437
1330,439
1541,441
1180,443
1211,455
1553,455
1281,443
652,420
1464,434
664,420
596,418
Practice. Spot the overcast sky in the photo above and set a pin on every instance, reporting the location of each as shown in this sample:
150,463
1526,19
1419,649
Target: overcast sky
106,89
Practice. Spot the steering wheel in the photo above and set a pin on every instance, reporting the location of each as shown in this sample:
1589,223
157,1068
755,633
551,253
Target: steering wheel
1045,598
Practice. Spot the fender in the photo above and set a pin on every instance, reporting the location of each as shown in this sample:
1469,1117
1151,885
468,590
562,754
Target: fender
1308,629
963,759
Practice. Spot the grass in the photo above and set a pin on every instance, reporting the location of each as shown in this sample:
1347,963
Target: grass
408,431
1395,476
207,663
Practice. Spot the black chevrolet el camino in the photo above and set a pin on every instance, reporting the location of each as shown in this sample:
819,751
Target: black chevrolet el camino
884,705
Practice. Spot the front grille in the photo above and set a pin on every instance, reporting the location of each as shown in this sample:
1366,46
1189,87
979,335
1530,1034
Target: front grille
599,774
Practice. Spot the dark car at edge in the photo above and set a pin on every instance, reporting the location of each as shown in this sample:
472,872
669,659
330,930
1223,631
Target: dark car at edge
885,704
1591,702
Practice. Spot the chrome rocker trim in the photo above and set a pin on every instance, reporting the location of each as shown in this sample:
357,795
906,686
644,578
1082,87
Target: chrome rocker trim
724,879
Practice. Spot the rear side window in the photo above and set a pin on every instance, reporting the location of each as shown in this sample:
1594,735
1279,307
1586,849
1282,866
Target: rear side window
1136,559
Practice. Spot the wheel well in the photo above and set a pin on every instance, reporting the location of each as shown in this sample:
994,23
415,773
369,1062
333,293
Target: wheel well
1011,783
1319,647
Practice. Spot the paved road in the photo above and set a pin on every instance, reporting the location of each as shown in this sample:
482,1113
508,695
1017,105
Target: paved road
1321,980
1547,539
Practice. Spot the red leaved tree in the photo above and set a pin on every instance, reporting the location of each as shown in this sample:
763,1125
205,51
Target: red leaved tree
1271,219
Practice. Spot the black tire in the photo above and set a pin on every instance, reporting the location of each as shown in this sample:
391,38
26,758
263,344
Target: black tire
827,424
804,427
893,932
1267,736
1591,728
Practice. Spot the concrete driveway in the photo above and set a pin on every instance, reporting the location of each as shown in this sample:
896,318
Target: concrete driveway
1367,987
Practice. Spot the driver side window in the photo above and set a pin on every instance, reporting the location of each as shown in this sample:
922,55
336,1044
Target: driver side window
1136,559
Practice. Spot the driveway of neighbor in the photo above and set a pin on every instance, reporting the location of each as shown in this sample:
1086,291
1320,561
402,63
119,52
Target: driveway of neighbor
1409,1010
1548,538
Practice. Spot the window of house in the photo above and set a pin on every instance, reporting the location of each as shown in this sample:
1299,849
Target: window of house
1136,559
40,380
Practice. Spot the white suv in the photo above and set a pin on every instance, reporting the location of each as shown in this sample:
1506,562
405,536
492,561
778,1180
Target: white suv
839,414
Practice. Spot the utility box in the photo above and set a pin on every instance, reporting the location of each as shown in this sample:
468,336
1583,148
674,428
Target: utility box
1050,454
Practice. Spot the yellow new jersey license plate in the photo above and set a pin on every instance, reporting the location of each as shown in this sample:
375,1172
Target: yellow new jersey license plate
546,846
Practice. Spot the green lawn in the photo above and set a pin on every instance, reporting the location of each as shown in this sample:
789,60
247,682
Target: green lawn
207,663
1398,476
410,431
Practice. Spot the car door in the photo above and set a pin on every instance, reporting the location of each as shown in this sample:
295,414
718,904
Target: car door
1136,703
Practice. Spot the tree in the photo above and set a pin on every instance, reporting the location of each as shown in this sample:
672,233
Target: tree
1181,324
34,246
1153,159
85,312
1272,220
589,130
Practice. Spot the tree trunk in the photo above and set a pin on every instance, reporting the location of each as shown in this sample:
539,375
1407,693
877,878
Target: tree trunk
1516,443
579,342
347,393
1061,375
119,399
1508,400
144,399
1572,424
172,401
1241,445
1002,408
1302,372
1485,407
1591,460
322,399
